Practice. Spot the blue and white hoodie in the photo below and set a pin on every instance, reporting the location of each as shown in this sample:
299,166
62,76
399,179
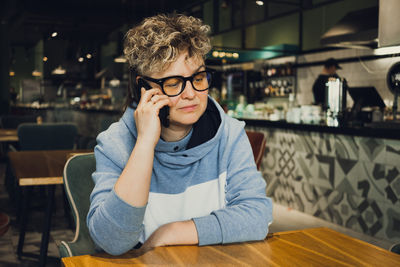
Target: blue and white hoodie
215,183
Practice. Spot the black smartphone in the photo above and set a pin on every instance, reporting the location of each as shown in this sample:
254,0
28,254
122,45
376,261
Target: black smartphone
164,111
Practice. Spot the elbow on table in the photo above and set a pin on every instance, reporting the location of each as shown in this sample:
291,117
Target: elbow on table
112,245
265,220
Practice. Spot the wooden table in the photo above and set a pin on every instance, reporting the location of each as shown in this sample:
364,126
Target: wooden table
309,247
8,135
39,168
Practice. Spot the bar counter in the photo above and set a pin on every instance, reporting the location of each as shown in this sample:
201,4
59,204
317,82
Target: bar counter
388,129
346,175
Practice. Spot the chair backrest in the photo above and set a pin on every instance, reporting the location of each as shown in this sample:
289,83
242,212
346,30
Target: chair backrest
78,185
47,136
13,121
258,143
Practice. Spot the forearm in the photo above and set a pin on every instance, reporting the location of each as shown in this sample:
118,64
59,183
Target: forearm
183,233
133,185
175,233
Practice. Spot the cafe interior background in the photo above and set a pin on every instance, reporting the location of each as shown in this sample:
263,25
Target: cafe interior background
63,61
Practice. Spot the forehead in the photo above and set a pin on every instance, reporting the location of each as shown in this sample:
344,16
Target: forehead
184,65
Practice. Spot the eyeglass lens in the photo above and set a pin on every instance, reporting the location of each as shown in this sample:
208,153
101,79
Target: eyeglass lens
174,86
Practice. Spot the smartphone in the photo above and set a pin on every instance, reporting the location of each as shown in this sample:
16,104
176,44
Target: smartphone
164,111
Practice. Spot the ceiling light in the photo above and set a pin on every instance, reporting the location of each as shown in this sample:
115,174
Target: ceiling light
120,59
224,4
80,59
88,56
54,34
215,53
115,82
235,55
36,73
45,59
260,3
58,71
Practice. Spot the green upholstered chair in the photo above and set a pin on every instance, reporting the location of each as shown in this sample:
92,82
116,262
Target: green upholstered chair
395,248
47,136
78,185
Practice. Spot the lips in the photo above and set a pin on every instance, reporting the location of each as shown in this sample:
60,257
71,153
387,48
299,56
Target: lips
189,108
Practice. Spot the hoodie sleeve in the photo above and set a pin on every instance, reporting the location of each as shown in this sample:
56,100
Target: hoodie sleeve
248,212
114,225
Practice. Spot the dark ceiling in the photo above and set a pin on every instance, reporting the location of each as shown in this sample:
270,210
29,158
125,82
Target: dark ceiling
32,20
29,21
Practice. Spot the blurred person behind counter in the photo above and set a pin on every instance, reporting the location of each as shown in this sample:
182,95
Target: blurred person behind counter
328,71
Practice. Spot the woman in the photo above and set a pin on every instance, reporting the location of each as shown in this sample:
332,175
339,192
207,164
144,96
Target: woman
188,180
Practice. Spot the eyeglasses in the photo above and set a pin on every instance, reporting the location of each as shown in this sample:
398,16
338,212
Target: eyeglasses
174,85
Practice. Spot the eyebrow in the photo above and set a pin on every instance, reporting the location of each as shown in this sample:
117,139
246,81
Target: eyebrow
194,72
153,79
201,66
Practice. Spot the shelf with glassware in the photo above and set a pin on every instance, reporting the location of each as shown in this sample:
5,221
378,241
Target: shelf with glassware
280,80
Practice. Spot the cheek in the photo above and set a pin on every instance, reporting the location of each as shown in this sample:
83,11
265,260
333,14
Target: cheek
203,96
173,100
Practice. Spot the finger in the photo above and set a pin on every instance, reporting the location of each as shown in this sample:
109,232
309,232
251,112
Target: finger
146,95
160,104
155,98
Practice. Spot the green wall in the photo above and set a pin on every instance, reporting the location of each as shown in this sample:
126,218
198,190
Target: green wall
108,52
273,32
23,65
208,14
229,39
224,17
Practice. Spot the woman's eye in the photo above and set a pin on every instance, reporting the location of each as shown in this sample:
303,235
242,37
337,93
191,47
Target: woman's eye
199,78
171,85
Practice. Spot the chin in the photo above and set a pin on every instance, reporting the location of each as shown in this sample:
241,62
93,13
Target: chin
186,120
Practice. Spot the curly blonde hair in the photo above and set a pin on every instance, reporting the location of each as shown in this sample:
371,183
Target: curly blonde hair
157,42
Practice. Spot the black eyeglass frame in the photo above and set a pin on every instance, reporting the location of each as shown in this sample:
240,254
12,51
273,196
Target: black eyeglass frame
161,81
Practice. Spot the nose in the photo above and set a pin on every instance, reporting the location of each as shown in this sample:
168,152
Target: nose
188,91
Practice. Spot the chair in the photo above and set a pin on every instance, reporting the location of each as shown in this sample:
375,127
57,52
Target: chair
12,122
258,143
78,185
47,136
4,223
395,248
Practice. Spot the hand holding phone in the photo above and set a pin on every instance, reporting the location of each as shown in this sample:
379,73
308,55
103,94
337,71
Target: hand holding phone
164,111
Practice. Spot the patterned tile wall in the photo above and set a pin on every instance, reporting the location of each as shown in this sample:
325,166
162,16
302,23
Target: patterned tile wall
351,181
